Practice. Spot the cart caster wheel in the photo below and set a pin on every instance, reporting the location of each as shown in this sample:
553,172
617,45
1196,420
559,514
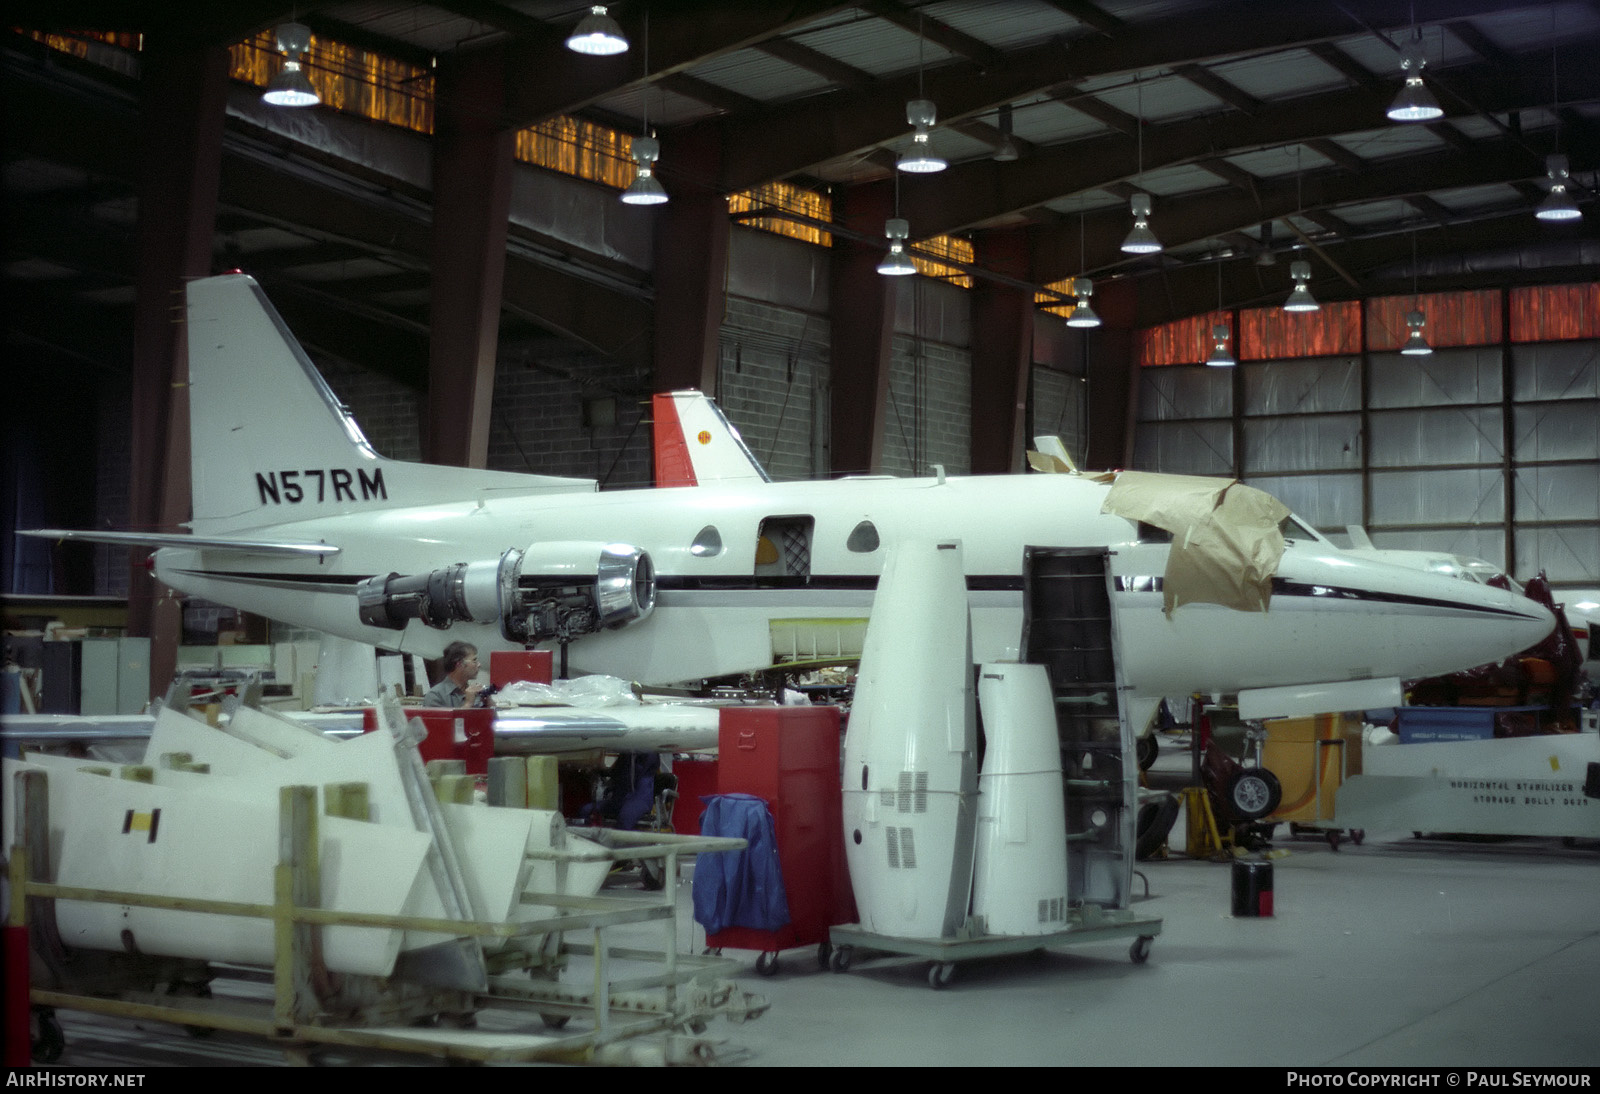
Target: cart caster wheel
824,953
1357,835
839,961
767,963
711,951
1139,952
940,973
1333,840
555,1021
50,1043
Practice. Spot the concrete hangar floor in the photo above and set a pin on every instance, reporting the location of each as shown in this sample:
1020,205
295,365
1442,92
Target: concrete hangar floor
1399,952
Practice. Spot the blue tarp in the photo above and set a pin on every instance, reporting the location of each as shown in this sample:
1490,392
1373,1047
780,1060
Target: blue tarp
739,888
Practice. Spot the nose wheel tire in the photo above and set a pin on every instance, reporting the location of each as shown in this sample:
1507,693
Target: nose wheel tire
1253,793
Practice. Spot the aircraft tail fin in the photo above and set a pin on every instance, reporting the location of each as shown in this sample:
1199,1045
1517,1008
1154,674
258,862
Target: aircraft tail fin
696,445
271,443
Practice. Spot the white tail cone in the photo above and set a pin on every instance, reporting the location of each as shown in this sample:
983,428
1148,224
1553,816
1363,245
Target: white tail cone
1020,879
910,771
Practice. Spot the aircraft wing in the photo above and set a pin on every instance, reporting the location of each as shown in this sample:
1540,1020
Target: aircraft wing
182,539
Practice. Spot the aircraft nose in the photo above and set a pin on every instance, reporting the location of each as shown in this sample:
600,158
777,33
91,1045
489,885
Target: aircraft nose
1460,625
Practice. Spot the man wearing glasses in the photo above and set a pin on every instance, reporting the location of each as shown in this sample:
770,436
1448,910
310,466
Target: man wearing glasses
459,688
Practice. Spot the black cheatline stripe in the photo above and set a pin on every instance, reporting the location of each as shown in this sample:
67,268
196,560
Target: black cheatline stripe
817,582
1296,588
293,579
1282,587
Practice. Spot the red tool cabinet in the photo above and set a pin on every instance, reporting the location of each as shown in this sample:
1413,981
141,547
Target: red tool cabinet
789,757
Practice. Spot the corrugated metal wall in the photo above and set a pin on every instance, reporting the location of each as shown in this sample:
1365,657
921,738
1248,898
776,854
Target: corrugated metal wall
1490,451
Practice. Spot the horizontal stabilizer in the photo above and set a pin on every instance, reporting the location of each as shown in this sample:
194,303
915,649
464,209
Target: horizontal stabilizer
181,539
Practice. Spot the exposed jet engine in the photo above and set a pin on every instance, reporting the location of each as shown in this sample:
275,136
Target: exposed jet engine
560,590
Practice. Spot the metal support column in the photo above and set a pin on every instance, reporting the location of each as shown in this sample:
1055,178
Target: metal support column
862,314
1002,354
183,93
691,268
472,157
1113,374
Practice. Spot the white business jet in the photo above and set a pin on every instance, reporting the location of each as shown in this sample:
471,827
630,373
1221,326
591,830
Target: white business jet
295,517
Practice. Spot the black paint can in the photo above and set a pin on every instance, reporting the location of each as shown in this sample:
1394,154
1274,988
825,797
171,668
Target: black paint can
1252,887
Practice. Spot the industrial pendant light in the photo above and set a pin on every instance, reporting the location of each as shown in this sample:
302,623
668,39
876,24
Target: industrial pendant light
597,34
1558,204
1300,299
1221,355
1221,333
922,115
291,86
1416,345
1082,314
1415,103
924,157
896,263
1141,240
1082,288
645,189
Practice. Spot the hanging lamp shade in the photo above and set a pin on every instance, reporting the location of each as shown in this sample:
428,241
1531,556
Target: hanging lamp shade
1558,204
1300,299
1221,355
291,86
923,158
1414,103
597,34
896,263
645,189
1141,240
1083,314
1416,345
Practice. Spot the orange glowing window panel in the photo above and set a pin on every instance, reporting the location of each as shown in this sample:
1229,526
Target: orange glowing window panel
1181,342
1050,300
578,148
937,257
1549,313
1267,334
783,197
1453,319
348,79
78,42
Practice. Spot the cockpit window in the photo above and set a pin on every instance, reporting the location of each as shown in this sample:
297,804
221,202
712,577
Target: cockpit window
1292,529
863,538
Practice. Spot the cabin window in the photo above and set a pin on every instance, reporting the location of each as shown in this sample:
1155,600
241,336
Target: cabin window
1149,533
783,547
863,538
707,543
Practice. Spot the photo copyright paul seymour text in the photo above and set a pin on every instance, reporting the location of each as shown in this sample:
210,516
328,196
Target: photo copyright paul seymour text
1463,1079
